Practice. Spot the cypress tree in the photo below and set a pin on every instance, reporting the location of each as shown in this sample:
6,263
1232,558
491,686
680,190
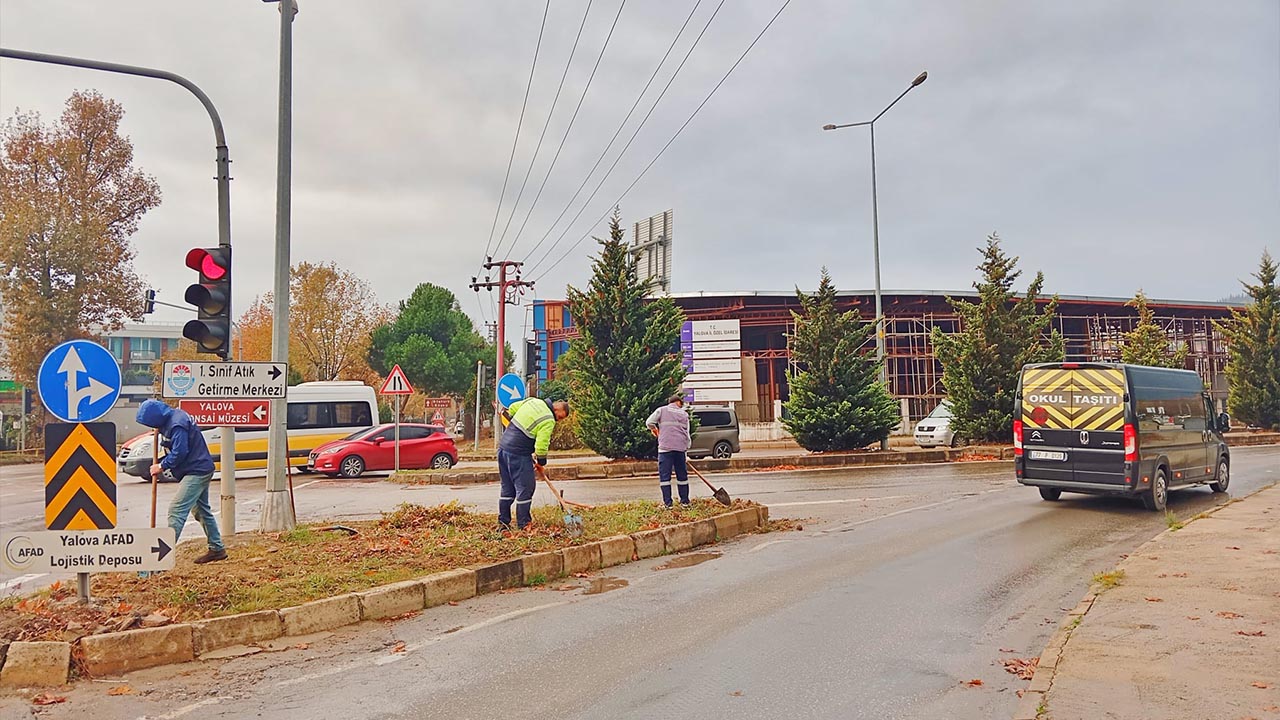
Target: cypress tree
1147,344
624,362
1253,368
837,400
999,334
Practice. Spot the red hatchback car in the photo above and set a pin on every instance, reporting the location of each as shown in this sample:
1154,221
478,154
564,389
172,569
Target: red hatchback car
421,446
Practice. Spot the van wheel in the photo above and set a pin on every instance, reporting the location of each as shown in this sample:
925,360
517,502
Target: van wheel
722,450
1222,479
441,462
1158,496
1050,494
352,466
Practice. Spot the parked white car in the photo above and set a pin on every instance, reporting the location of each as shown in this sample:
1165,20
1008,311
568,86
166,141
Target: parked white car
935,428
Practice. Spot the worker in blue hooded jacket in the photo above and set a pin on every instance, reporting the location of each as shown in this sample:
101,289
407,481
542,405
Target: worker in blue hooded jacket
187,459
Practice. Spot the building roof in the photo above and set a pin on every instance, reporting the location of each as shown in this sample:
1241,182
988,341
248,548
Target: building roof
1096,299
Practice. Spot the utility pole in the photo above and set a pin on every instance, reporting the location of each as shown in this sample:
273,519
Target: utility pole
479,384
509,292
277,507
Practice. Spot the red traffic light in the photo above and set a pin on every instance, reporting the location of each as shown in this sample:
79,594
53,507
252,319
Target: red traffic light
212,263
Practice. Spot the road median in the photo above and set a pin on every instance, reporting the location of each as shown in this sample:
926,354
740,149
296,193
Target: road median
1186,626
318,578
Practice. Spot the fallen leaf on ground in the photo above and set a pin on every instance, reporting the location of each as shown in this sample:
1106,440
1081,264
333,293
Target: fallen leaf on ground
406,616
736,693
1261,685
120,690
1007,650
1180,575
974,683
1193,617
453,603
1233,547
582,575
47,699
399,647
1020,693
1255,633
1229,615
302,646
1154,599
1021,667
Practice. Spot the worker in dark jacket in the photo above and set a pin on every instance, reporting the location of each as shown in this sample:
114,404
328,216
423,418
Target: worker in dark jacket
188,460
670,424
525,441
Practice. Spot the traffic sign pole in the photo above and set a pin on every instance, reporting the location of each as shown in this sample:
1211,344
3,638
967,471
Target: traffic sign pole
397,440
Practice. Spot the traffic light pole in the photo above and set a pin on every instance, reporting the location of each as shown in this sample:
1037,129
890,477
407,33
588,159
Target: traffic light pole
506,287
223,176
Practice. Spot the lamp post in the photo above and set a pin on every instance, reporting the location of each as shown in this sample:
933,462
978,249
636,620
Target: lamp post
875,225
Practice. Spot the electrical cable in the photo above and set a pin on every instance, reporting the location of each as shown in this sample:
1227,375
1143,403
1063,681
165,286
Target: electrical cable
672,140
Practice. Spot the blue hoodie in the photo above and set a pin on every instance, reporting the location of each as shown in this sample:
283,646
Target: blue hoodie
187,452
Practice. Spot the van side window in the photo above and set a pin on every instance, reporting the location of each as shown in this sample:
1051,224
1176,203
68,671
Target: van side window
308,415
352,413
713,418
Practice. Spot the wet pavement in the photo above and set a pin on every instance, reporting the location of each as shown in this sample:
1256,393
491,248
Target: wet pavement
904,584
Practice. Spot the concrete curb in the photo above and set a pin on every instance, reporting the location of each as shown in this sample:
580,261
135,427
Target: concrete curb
647,469
1037,693
28,664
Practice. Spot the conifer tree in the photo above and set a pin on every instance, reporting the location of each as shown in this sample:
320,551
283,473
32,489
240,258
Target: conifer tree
623,364
837,400
1253,367
1147,344
999,334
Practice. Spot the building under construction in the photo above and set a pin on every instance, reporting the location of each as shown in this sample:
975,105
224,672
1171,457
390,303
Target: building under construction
1092,327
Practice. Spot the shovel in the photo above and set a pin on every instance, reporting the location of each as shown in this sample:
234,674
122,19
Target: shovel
721,495
572,521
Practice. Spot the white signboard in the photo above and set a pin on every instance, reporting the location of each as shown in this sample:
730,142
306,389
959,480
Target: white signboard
224,380
715,395
701,346
711,330
86,551
717,366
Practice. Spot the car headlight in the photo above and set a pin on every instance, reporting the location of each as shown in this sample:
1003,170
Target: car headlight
140,450
328,451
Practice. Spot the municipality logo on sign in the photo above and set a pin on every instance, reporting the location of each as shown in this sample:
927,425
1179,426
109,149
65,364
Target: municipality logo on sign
180,380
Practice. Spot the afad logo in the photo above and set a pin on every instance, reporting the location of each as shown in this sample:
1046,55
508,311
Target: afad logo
20,553
181,380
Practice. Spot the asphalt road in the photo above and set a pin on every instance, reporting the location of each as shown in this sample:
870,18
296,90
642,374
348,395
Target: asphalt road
903,584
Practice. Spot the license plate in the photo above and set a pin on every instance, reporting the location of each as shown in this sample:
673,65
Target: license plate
1046,455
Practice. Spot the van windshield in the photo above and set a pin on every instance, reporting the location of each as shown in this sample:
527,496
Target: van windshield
942,411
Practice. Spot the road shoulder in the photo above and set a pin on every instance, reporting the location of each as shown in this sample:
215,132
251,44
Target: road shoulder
1190,629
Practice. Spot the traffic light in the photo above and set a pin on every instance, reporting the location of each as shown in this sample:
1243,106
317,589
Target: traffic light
28,401
149,303
211,330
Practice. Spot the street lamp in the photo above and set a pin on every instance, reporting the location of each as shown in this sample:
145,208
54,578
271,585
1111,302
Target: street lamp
875,221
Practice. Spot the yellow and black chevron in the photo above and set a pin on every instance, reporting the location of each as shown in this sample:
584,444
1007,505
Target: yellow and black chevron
79,476
1077,399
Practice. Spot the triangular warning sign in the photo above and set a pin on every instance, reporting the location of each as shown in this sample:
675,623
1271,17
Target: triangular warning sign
397,383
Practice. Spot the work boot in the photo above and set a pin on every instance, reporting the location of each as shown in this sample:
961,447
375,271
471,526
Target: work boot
211,556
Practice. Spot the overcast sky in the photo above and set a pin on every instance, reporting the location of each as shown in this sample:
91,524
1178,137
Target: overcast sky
1110,144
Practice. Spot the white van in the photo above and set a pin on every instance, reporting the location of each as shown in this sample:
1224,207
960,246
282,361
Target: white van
318,413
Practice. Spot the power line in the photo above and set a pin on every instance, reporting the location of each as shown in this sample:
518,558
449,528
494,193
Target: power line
632,139
616,133
550,113
673,138
565,137
514,143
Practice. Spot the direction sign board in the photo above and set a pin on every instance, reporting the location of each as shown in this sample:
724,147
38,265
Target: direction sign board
225,380
396,383
438,403
511,388
89,551
228,413
79,381
79,476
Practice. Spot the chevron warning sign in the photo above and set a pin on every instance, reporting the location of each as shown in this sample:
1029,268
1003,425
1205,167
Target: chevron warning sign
79,476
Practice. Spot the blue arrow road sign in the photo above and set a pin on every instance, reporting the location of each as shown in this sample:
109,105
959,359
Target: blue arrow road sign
510,389
79,381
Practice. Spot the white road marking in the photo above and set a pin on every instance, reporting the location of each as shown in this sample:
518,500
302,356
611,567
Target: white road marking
834,502
20,580
396,657
764,545
849,526
183,710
